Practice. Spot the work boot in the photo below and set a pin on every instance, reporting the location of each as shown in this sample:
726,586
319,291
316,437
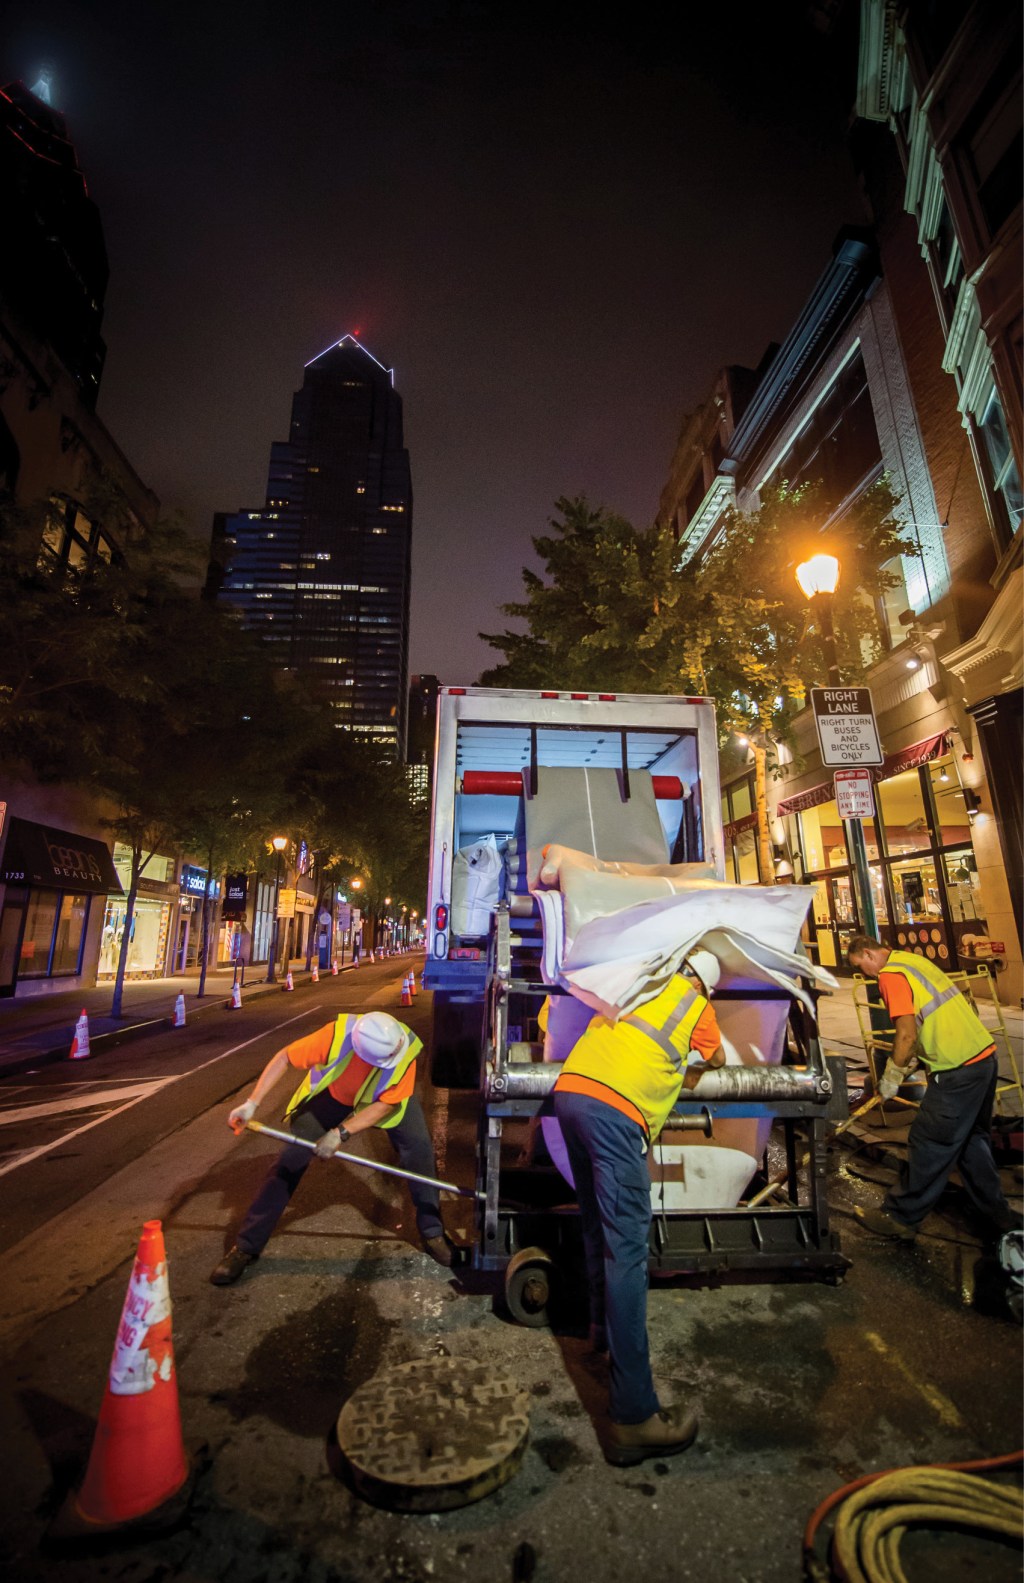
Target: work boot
231,1266
667,1431
439,1249
881,1224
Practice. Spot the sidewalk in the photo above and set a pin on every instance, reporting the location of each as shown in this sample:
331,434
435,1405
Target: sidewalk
840,1033
42,1027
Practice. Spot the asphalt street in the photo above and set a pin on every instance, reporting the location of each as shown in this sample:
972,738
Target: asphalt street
801,1386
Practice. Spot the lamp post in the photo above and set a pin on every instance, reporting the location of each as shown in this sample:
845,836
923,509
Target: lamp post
279,843
819,579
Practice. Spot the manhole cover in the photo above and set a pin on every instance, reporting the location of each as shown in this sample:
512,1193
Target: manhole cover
429,1436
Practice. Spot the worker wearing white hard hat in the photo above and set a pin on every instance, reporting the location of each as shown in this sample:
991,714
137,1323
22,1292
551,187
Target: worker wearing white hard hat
614,1094
360,1072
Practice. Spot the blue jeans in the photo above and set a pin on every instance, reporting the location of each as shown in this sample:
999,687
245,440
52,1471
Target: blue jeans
613,1188
411,1142
952,1131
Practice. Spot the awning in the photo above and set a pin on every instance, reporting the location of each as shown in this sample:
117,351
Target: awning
42,855
894,764
738,826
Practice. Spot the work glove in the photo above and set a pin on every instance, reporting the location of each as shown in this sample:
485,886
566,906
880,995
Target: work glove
328,1144
241,1114
892,1079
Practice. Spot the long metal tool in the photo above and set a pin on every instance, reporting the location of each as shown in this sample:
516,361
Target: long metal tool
371,1165
780,1181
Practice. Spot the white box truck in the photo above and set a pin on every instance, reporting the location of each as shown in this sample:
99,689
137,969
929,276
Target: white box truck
655,756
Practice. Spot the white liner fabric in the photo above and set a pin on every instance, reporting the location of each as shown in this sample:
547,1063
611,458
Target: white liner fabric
613,958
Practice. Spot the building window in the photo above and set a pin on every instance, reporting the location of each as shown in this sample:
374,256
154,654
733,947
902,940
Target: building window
839,442
1004,477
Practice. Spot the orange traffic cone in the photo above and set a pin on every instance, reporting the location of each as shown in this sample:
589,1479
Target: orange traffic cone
406,997
80,1043
288,981
179,1012
334,967
412,984
236,996
315,973
138,1465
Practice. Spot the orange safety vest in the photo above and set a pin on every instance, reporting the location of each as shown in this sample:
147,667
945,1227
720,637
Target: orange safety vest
949,1033
378,1079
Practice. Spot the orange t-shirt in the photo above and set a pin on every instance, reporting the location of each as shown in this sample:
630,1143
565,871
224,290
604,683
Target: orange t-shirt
895,990
314,1050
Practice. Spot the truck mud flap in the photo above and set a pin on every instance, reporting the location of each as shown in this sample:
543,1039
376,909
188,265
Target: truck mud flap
456,1042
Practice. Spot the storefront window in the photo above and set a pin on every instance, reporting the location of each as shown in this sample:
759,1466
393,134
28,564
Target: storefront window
147,944
739,796
902,809
40,917
954,826
745,848
878,892
821,838
67,945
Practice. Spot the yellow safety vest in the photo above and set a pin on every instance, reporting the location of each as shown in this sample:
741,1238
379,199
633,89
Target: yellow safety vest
642,1057
949,1033
378,1079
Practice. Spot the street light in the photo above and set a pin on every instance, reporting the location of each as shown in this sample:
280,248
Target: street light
279,842
819,579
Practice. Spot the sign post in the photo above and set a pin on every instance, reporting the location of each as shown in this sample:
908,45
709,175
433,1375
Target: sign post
848,737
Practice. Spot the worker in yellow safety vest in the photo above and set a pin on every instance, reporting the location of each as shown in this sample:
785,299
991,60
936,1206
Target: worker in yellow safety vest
952,1129
613,1096
360,1072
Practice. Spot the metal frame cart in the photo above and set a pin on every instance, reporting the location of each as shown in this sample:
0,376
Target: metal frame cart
530,1240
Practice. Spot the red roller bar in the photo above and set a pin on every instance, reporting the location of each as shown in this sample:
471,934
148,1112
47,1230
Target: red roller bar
509,783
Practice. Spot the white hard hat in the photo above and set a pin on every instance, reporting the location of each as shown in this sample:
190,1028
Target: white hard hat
705,966
378,1038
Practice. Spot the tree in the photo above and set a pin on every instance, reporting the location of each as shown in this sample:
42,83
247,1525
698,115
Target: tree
72,640
361,818
751,644
606,614
615,611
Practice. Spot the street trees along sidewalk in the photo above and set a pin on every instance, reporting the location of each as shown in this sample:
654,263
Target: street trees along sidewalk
114,674
614,611
206,768
362,820
75,638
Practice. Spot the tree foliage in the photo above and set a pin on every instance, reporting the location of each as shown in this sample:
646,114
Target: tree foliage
614,610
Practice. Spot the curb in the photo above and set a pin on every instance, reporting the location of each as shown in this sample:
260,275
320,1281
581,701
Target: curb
99,1042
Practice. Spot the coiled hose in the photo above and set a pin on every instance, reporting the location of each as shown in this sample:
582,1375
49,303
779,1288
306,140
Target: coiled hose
876,1511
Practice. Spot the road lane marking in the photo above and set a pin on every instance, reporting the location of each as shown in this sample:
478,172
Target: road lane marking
937,1402
82,1101
58,1143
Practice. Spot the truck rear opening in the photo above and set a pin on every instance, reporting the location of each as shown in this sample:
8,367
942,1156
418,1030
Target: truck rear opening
492,750
508,772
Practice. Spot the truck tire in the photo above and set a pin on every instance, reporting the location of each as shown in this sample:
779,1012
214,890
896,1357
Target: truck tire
456,1043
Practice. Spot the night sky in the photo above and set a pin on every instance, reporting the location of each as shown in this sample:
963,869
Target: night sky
555,228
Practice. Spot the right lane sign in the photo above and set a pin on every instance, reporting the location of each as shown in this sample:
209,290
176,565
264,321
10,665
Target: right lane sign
847,732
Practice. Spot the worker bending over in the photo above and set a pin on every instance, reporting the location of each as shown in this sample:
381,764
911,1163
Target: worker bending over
360,1073
953,1126
612,1098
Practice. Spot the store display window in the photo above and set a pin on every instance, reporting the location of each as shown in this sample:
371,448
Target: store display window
147,944
902,809
52,934
952,820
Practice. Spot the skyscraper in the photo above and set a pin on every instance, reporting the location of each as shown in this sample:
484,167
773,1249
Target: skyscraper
322,571
53,265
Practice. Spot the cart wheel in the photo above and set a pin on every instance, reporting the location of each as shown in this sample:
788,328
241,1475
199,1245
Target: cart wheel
528,1281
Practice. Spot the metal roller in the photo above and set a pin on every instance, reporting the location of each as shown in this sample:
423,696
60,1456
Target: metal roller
741,1083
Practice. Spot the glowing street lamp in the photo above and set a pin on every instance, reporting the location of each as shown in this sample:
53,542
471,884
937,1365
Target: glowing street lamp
278,842
819,579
